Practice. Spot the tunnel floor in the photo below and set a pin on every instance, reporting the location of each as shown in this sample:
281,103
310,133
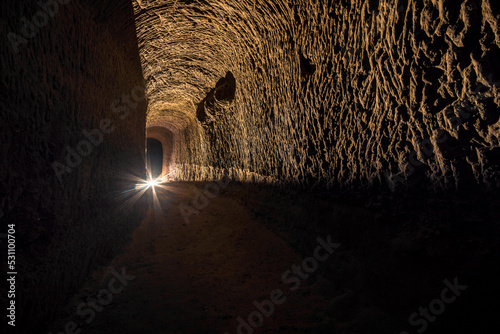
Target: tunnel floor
201,276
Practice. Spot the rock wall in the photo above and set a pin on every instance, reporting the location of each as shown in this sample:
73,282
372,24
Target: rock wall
355,93
65,69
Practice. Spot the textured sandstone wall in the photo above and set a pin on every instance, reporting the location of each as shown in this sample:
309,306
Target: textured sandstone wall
336,93
61,80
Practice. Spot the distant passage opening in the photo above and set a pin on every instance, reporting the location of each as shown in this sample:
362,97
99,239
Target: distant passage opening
155,157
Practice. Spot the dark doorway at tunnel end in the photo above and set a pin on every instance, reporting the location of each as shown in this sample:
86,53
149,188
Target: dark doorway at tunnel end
155,157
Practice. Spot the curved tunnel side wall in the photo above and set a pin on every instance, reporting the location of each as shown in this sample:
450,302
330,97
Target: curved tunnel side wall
67,79
335,93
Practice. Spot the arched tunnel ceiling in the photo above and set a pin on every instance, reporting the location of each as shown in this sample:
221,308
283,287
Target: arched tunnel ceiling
187,46
327,91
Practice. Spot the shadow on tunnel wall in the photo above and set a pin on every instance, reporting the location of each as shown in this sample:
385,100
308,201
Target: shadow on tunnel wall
73,116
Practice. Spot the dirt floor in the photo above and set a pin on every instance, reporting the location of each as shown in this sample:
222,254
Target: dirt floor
208,273
200,276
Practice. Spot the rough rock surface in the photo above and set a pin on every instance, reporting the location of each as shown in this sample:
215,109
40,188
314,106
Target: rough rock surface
60,82
335,93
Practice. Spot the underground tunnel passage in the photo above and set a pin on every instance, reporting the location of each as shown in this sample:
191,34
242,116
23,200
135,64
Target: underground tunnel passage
252,166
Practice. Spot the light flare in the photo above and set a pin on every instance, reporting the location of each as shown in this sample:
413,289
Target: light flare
145,184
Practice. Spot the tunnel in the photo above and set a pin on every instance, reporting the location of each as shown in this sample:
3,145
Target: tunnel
251,166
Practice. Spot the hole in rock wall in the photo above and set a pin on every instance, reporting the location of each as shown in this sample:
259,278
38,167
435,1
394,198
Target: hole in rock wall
307,68
217,98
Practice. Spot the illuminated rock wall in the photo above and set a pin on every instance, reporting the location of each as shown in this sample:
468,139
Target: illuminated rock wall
336,93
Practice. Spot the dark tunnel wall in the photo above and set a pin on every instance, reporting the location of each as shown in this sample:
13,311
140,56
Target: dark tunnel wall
335,93
63,79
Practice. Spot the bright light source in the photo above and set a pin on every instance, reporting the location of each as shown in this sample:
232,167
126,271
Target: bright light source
147,184
152,183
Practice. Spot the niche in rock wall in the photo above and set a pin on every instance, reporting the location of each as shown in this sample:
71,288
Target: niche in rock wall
223,93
